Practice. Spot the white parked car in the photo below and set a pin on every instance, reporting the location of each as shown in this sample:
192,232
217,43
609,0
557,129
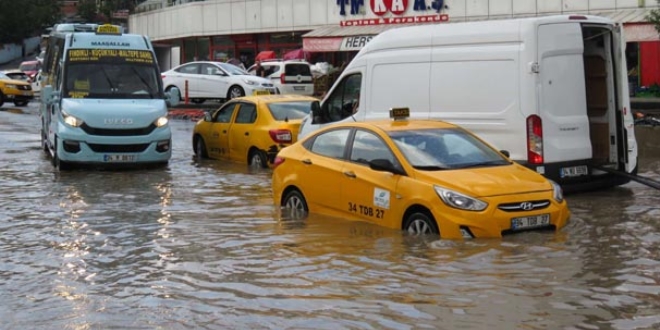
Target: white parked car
214,80
290,77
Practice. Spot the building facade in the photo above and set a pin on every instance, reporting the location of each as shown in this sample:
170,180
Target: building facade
334,30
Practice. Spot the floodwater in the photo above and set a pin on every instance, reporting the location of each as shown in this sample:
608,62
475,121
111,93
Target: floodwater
199,245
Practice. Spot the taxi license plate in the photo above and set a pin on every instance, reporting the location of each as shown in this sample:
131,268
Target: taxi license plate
572,171
119,158
261,93
298,88
530,222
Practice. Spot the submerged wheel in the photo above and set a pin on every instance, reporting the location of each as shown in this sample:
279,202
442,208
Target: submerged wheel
294,203
200,148
57,162
235,91
257,159
420,223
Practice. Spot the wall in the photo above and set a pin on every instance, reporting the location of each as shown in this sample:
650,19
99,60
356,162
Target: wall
219,17
11,52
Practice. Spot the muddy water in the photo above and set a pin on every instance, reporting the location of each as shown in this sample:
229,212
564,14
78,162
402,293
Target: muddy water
198,245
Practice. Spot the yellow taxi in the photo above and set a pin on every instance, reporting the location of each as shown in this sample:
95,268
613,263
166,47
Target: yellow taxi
14,90
421,176
251,129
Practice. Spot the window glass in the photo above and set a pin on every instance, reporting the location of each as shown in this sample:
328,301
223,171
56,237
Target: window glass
190,69
247,114
224,114
210,69
331,144
344,99
445,149
368,146
289,110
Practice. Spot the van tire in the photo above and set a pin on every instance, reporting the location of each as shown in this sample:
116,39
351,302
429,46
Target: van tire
420,222
257,159
234,92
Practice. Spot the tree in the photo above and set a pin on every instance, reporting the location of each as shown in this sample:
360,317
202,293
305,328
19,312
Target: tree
654,17
87,10
26,18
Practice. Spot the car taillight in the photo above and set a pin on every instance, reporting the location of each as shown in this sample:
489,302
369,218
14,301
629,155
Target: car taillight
278,161
281,135
534,140
282,80
162,76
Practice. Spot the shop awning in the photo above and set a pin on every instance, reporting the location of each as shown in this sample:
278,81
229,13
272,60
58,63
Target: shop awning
336,38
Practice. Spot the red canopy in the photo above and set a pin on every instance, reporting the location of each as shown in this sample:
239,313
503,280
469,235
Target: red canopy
265,55
297,54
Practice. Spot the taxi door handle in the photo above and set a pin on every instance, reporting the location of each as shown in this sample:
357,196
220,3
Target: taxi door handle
306,161
350,174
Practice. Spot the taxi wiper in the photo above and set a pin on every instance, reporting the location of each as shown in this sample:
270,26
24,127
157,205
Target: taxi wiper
430,167
498,162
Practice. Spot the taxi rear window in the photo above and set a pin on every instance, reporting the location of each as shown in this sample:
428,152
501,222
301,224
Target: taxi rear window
290,110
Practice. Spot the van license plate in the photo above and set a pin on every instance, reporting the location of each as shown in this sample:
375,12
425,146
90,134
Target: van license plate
298,88
530,222
567,172
119,158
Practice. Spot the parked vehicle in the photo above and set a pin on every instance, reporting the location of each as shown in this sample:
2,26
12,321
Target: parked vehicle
251,129
18,75
31,68
102,102
290,77
15,90
421,176
214,80
552,90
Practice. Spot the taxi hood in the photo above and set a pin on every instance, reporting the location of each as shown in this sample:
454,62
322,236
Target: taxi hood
115,113
488,181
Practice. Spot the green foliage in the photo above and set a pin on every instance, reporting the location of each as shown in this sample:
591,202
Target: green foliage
87,10
26,18
654,17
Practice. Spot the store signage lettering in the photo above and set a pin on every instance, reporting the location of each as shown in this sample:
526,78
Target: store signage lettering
382,7
396,20
355,42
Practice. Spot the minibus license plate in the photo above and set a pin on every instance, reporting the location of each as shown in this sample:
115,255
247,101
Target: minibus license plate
530,222
119,158
574,171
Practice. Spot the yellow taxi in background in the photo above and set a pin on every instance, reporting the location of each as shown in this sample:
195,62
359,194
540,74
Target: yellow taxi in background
251,129
421,176
14,90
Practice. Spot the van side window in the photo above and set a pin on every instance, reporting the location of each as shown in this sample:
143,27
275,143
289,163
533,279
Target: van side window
344,99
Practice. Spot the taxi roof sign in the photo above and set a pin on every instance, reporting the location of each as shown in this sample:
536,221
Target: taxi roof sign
399,113
108,29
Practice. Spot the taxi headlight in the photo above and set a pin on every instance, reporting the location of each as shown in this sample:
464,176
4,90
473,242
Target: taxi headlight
71,120
162,121
249,82
10,86
557,192
460,201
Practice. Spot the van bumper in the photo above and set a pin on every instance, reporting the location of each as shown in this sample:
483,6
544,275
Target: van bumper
593,180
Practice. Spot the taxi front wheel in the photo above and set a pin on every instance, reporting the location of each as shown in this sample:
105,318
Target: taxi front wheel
294,202
420,223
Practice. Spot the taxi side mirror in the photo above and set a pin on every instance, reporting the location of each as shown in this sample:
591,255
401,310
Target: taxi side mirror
384,165
207,116
172,97
505,153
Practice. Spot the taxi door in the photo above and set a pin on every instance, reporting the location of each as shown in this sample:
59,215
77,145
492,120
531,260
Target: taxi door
240,134
367,194
321,173
217,138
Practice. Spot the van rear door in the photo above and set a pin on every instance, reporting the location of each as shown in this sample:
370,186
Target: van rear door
561,93
629,148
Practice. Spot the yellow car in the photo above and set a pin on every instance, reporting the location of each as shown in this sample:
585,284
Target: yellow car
18,91
251,129
421,176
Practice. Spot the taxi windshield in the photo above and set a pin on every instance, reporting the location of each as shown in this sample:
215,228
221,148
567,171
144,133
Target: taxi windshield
443,149
111,80
283,111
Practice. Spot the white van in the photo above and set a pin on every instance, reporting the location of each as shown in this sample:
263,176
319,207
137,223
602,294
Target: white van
552,91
